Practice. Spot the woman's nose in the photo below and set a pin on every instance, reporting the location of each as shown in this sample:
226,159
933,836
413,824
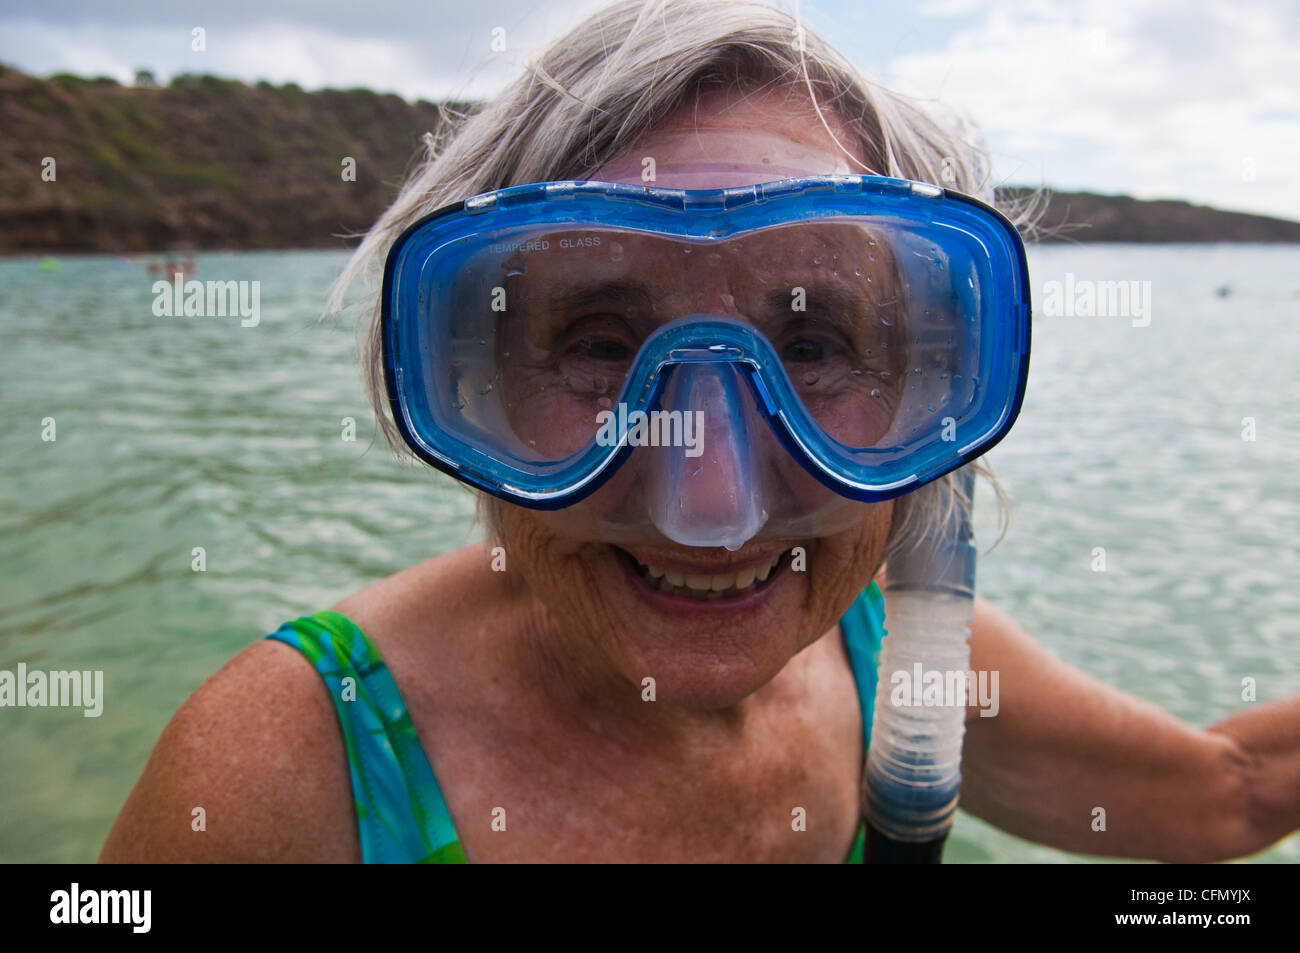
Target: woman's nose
706,491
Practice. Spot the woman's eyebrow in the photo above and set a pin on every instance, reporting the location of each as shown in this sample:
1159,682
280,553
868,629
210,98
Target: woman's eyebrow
846,305
629,294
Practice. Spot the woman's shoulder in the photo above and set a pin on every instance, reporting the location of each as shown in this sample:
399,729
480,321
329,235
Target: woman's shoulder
253,766
445,586
250,768
429,623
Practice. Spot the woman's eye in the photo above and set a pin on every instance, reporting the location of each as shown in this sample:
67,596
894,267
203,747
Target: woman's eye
803,351
603,349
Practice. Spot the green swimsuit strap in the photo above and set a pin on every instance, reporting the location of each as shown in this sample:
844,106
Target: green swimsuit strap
402,816
864,630
863,626
401,813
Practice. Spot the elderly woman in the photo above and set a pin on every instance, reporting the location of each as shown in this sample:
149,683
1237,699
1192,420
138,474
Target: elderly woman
665,649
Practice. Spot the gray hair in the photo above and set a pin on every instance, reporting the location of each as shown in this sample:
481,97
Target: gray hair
598,89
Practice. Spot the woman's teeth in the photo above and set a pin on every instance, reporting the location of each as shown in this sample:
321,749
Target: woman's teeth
708,587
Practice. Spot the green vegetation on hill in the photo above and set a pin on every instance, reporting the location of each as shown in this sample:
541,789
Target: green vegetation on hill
200,163
1085,217
205,162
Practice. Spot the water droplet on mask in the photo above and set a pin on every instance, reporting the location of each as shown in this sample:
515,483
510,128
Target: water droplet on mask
604,403
810,378
875,392
855,372
486,389
482,342
695,471
884,375
515,271
930,407
886,323
857,272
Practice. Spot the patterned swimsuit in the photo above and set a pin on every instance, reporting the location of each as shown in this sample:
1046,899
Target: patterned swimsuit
401,814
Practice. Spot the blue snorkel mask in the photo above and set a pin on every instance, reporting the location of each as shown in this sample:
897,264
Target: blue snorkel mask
721,363
711,367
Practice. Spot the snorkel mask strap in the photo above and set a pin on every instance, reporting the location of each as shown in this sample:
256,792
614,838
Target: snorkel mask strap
913,772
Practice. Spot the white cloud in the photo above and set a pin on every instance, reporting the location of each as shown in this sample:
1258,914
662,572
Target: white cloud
1141,96
949,8
418,51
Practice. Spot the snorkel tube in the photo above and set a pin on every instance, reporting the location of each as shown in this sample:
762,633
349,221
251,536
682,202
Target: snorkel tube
913,771
912,779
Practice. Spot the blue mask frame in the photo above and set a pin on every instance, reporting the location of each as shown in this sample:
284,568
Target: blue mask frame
862,474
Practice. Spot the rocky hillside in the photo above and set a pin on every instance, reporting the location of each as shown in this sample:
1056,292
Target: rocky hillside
201,163
1085,217
211,163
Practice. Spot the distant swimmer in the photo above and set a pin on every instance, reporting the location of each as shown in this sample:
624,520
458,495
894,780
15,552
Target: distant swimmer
183,267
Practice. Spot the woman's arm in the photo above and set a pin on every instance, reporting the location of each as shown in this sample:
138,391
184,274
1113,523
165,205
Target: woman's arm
1063,744
258,748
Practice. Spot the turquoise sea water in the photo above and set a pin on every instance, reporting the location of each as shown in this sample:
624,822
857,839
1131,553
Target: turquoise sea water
177,433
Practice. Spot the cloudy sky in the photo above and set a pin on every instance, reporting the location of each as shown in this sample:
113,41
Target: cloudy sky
1198,99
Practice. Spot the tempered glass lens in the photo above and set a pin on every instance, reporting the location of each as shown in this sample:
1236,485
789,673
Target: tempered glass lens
531,332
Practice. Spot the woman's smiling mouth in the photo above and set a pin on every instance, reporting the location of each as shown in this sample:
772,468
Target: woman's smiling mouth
692,583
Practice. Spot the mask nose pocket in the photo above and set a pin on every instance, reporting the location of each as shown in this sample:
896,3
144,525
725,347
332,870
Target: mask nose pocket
706,491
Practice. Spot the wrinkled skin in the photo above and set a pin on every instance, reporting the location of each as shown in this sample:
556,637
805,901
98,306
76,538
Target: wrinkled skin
707,656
